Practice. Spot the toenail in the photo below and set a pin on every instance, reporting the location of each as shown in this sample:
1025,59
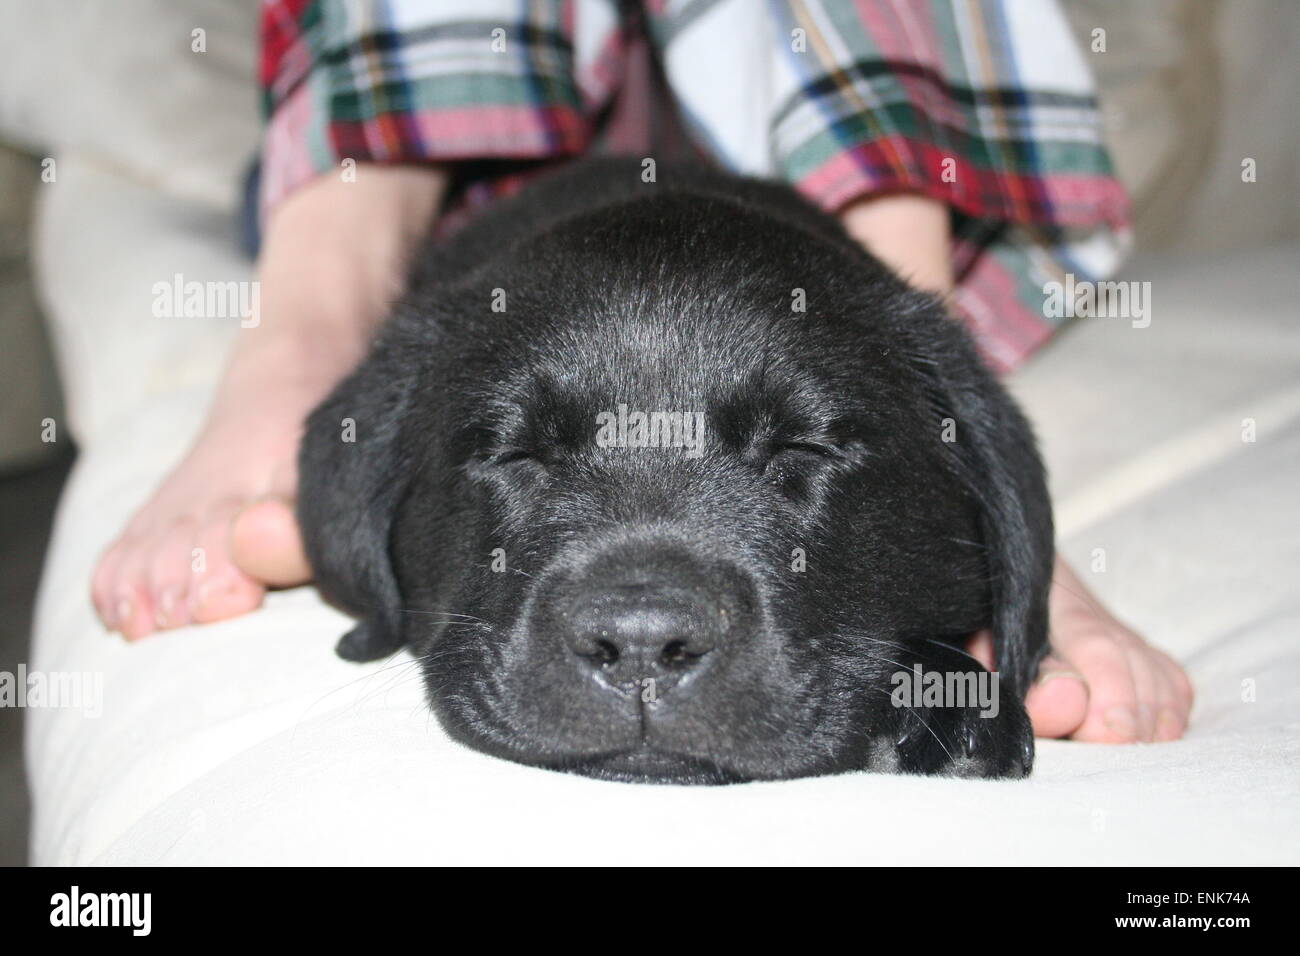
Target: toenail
210,589
1167,725
1146,718
201,595
123,613
1122,722
166,606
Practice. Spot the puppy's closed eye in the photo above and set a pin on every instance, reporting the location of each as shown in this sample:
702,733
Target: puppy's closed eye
503,462
804,451
517,456
810,452
793,465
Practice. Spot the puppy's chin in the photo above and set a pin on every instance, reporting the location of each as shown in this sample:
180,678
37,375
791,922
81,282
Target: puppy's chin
645,765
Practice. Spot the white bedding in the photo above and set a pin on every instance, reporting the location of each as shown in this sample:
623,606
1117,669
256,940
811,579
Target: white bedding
250,742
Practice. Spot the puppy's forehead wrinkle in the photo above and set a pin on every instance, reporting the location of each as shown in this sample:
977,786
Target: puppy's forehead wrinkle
730,380
579,552
623,507
688,338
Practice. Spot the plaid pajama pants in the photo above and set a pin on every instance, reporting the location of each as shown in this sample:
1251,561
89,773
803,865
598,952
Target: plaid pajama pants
985,105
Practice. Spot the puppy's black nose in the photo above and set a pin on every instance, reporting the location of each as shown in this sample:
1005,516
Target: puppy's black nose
633,632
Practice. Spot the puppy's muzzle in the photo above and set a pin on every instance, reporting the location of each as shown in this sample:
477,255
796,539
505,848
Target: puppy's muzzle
628,634
655,618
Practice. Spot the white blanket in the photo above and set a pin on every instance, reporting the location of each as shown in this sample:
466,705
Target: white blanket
249,742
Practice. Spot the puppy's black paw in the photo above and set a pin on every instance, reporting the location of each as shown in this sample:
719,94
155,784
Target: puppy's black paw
368,641
964,742
947,715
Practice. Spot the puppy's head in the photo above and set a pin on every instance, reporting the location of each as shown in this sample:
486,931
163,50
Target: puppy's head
669,491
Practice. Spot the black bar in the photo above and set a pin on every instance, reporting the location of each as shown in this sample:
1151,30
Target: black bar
333,905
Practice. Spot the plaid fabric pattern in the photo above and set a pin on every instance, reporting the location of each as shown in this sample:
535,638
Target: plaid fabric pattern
985,105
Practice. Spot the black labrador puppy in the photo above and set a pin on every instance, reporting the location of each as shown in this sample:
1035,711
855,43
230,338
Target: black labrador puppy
670,481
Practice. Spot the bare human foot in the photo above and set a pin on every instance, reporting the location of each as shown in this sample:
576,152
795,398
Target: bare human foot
1101,682
1135,692
219,529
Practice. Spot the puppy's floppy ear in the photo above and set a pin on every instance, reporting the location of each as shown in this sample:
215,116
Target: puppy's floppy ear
354,469
996,457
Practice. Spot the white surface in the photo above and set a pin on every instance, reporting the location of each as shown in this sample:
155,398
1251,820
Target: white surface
250,742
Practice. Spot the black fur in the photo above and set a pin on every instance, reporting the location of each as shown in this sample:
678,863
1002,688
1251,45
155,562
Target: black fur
627,569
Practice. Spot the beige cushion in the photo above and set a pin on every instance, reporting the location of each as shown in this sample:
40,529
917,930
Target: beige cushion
75,74
1189,89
